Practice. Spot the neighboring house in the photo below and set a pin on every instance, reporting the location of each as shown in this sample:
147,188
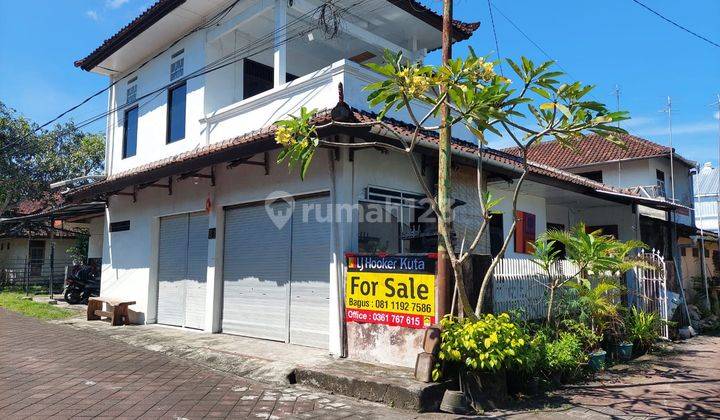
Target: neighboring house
641,167
26,247
706,197
191,163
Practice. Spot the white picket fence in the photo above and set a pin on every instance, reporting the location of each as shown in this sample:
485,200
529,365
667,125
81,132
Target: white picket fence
520,284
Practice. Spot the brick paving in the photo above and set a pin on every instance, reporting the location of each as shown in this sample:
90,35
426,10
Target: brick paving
53,371
49,370
682,383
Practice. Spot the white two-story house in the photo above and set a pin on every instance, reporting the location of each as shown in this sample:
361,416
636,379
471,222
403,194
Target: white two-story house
195,87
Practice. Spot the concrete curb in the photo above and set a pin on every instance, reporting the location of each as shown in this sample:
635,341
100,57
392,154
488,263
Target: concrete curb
395,392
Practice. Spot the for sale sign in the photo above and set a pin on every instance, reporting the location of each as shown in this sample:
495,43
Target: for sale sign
394,290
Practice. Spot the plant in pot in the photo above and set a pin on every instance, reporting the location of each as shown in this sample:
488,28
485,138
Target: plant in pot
643,329
480,352
616,341
589,341
564,358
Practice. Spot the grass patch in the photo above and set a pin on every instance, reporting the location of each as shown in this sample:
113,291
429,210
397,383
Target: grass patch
14,302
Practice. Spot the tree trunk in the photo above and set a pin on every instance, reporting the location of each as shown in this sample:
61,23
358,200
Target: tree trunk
444,181
550,304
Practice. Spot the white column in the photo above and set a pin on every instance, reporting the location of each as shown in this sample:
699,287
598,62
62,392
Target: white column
341,234
280,52
213,302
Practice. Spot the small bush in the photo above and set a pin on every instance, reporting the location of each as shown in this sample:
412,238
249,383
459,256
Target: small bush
489,344
565,355
643,329
588,339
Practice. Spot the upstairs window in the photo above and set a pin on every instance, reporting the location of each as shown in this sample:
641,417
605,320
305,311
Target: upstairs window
258,78
177,65
131,92
594,175
660,176
130,133
176,113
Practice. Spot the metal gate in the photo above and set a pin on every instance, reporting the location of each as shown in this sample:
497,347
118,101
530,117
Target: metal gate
651,288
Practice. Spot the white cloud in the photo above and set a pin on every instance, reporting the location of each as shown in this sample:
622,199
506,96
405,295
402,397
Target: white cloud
92,15
717,115
115,4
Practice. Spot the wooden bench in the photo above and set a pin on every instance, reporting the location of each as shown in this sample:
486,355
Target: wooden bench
118,312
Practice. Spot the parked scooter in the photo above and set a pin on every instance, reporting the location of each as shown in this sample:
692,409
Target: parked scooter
81,283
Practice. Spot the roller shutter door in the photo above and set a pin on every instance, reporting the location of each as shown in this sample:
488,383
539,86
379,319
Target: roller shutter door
310,275
276,279
182,270
255,273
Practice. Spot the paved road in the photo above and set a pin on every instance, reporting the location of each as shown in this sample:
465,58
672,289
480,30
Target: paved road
50,370
681,383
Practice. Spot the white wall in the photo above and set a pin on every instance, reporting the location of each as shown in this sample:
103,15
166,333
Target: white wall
130,257
613,214
96,229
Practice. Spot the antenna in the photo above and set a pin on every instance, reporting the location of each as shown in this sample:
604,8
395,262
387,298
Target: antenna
617,100
668,111
717,168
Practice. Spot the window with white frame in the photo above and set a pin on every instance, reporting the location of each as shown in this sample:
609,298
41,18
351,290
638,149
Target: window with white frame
176,65
395,221
131,92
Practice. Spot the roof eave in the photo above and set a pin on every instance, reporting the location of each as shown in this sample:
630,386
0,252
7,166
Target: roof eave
461,30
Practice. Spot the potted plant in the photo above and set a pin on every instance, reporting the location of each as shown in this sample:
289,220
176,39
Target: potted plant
482,351
616,340
642,329
564,357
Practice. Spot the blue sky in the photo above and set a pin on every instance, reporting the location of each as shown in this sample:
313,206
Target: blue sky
606,43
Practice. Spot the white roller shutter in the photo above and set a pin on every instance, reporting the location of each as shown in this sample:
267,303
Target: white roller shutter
196,280
310,273
256,273
172,266
182,270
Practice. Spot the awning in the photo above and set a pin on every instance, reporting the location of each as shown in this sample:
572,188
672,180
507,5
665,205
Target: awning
64,212
655,203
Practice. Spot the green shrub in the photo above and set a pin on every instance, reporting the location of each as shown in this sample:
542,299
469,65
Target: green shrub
565,355
489,344
643,328
588,339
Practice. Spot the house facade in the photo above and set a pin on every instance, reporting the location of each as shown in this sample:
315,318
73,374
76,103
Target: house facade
641,167
205,230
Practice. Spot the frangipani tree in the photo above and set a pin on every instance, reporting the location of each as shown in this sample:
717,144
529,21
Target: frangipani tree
533,106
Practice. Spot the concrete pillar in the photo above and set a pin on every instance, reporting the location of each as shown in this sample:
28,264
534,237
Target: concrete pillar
280,51
213,302
341,233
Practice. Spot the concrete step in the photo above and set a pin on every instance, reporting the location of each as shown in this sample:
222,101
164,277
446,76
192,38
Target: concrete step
389,385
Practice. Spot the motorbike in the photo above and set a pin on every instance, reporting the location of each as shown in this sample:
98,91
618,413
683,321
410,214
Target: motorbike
81,283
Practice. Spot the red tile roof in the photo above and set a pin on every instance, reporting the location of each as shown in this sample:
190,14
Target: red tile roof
161,8
594,149
263,140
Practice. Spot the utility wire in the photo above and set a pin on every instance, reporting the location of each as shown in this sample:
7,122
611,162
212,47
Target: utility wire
677,25
218,64
205,25
526,36
497,45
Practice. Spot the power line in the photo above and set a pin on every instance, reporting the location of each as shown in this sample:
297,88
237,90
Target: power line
251,50
205,25
497,45
677,25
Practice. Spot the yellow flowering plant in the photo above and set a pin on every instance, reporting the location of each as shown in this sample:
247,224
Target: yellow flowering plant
298,137
491,343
